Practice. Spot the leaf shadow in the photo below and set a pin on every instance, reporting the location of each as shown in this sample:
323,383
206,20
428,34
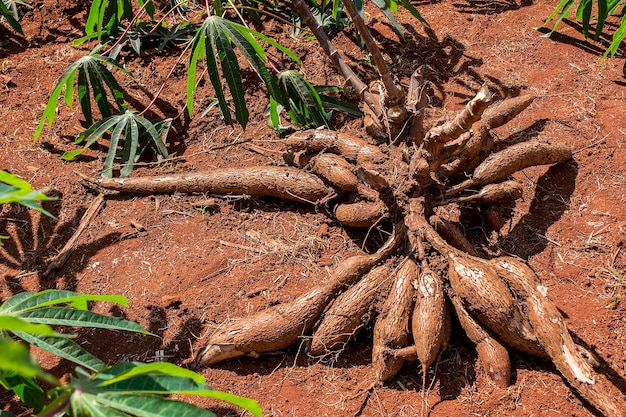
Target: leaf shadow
35,238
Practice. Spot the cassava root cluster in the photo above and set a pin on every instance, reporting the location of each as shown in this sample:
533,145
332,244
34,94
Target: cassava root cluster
427,275
499,302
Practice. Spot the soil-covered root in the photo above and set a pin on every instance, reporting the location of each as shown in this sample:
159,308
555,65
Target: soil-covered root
492,354
351,147
554,337
271,181
350,312
280,326
335,170
500,165
361,214
392,328
487,298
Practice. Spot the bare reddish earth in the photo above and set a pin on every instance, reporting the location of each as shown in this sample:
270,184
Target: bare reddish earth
188,272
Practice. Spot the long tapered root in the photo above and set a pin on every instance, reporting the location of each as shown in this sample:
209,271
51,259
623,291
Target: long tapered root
282,182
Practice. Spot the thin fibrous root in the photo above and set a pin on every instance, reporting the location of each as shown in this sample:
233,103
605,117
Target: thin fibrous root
500,165
282,182
280,326
351,147
464,120
351,311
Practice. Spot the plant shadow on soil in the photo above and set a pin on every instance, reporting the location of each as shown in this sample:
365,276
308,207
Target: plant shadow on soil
35,238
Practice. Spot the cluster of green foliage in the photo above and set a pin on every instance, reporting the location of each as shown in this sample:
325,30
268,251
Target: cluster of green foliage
215,42
124,389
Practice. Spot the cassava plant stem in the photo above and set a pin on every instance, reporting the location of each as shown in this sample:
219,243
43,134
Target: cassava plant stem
395,95
330,50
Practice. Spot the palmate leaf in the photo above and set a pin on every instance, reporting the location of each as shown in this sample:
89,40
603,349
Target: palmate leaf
29,316
304,103
13,189
132,126
215,41
93,75
135,388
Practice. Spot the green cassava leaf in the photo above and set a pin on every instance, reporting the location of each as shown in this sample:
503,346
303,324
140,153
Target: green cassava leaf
16,359
15,324
25,301
93,76
139,405
161,368
63,348
13,189
63,316
11,18
26,388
